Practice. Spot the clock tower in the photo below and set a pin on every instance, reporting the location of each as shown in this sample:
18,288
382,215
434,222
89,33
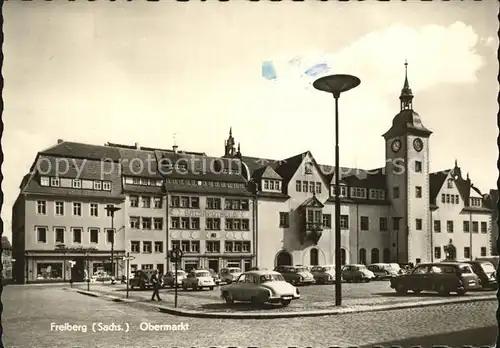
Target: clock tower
407,178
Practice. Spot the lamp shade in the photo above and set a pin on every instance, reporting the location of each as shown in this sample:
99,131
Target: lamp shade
336,84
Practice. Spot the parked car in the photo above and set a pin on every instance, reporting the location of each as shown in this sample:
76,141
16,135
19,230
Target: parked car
215,276
142,279
169,279
397,268
230,274
198,280
486,273
296,275
324,274
382,270
260,287
442,277
357,273
492,259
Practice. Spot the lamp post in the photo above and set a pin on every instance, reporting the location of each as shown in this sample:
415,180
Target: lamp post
336,84
112,209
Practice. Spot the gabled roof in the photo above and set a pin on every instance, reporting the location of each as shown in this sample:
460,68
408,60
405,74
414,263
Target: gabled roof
436,181
312,202
289,166
266,173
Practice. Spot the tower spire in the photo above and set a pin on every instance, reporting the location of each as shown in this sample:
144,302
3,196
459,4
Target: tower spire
230,132
406,96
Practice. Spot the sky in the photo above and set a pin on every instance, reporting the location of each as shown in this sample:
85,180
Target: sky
140,72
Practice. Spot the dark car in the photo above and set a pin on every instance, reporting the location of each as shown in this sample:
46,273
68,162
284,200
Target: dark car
486,273
142,279
443,278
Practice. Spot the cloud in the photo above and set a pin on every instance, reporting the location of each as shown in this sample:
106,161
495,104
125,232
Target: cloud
435,55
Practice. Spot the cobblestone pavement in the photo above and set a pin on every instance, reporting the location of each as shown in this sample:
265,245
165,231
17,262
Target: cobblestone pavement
29,312
314,297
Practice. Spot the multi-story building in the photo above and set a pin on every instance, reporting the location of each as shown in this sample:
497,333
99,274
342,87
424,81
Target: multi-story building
243,211
492,201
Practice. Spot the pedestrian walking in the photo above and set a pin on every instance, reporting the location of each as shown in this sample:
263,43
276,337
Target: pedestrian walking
156,282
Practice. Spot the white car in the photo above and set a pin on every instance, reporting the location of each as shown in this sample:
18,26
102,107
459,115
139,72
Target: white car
230,274
198,280
260,287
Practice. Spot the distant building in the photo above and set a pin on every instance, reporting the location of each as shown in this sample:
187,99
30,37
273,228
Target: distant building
492,199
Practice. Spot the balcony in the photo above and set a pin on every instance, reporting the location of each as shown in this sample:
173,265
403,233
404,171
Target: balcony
312,232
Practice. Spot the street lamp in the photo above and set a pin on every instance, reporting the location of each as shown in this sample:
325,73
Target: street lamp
336,84
112,209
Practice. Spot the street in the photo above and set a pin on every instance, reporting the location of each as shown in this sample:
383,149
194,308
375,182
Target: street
35,316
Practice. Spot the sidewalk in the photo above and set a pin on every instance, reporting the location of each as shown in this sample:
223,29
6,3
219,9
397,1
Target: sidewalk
207,304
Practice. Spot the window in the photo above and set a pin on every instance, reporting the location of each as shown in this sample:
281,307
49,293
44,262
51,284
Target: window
213,203
450,183
343,190
449,226
41,234
308,168
158,247
146,223
213,246
195,202
383,224
59,208
395,223
185,246
311,186
443,198
44,181
76,183
395,192
54,182
418,167
437,226
364,223
305,186
418,191
484,227
97,185
298,186
134,201
49,270
475,227
452,199
157,201
147,267
77,209
318,187
212,224
483,251
136,181
467,252
41,207
447,198
135,222
418,224
377,194
457,199
110,235
313,257
158,223
245,247
284,220
146,202
344,222
77,235
327,220
135,246
437,252
362,256
195,223
185,223
357,192
94,235
59,232
146,247
175,223
236,204
237,224
94,209
466,226
106,186
195,246
175,201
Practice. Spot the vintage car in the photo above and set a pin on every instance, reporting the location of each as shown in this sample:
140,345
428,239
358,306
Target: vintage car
260,287
357,273
141,280
215,276
171,280
382,271
230,274
442,277
296,275
324,274
486,273
198,280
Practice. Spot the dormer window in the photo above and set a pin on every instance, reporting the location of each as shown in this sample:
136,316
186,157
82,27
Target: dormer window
271,185
308,168
450,183
475,202
358,192
76,183
377,194
343,190
44,181
54,182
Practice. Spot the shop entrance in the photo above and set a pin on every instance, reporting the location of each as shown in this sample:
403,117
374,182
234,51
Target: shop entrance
77,272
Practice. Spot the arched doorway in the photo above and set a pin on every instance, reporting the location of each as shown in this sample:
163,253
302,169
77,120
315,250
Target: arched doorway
284,259
313,255
386,255
375,255
343,255
362,256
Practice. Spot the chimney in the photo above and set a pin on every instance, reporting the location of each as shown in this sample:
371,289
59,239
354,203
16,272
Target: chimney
59,141
137,146
175,147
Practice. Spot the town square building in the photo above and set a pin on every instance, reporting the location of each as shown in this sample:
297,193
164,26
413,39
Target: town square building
241,211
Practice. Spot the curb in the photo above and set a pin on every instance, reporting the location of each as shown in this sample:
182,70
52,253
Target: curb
315,313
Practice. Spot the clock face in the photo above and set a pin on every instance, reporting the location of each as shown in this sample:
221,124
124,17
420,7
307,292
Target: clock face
418,144
396,145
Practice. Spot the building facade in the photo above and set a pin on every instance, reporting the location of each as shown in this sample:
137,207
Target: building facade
242,211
